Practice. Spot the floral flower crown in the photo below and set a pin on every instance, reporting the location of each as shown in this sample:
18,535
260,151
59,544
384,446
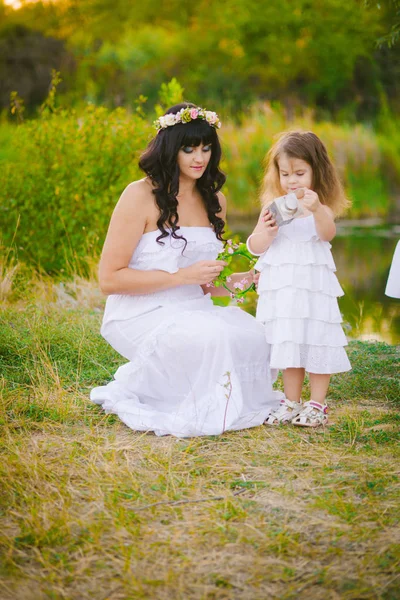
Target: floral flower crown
185,115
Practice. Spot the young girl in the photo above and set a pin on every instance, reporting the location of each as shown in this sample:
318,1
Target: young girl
297,285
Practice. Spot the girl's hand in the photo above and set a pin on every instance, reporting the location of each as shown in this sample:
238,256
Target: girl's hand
245,279
256,277
264,233
267,223
310,200
202,272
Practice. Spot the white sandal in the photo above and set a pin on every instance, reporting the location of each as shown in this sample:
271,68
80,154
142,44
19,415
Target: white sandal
313,414
285,413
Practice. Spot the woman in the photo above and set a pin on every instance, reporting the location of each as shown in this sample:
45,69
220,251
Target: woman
194,368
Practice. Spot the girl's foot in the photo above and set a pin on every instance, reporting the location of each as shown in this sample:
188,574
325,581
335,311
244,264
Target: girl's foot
313,414
285,413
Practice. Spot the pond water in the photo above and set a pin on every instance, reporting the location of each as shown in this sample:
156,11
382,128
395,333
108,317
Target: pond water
363,252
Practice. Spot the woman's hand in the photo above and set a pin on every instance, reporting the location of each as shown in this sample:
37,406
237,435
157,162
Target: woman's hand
202,272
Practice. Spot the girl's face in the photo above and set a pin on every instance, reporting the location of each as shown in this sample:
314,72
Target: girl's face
193,160
294,173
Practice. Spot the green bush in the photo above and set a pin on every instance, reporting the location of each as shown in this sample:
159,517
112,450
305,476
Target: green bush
61,184
61,174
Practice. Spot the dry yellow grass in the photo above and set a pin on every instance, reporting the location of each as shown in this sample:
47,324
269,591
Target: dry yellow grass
92,510
309,523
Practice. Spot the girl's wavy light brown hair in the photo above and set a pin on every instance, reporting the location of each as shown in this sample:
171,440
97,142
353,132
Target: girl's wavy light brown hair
308,147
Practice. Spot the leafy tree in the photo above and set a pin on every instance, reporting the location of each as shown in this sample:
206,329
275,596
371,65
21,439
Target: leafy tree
391,10
27,58
228,52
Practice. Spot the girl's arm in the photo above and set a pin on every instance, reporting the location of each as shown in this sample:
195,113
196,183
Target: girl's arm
263,234
127,225
323,216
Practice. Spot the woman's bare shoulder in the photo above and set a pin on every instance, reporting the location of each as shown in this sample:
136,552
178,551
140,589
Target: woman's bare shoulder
136,197
141,189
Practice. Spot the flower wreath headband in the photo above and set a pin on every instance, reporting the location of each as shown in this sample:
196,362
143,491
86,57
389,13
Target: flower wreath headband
185,115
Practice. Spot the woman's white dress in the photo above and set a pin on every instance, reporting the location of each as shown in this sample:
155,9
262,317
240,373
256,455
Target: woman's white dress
194,368
297,304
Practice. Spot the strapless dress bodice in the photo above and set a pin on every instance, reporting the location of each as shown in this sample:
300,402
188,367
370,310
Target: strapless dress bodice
172,255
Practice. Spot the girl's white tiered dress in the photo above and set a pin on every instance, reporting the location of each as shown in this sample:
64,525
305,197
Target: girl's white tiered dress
297,304
194,368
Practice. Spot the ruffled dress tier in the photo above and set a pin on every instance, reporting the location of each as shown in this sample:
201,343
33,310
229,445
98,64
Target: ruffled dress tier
194,368
298,292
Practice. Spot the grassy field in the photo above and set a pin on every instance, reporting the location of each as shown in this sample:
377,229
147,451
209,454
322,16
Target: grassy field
92,510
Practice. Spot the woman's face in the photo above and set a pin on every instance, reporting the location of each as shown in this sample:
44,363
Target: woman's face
193,160
294,173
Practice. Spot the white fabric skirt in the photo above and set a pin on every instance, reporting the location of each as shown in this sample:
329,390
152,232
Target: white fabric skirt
194,369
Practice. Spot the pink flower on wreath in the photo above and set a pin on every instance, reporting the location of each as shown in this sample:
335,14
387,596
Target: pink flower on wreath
229,279
194,113
240,300
230,250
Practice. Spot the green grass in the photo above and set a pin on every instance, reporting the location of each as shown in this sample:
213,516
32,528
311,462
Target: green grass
92,510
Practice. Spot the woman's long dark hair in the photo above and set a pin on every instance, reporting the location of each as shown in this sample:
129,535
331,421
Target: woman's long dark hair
159,162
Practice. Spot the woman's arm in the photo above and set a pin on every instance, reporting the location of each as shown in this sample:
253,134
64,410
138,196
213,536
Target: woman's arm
127,225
